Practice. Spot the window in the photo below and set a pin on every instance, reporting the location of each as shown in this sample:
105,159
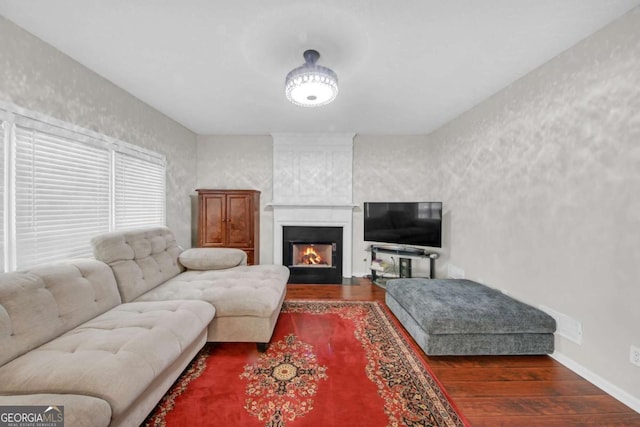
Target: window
139,192
61,196
66,185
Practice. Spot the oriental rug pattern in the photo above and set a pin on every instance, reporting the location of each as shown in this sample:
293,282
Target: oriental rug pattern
283,382
329,364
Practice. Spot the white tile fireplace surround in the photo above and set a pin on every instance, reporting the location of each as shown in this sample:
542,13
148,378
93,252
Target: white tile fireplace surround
312,187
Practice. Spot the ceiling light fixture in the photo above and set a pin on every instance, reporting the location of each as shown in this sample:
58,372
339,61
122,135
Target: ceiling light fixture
311,85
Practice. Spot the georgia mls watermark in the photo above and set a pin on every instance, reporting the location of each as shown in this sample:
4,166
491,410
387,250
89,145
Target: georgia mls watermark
32,416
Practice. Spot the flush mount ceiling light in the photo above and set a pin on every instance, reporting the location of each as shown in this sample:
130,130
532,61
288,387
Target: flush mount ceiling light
311,85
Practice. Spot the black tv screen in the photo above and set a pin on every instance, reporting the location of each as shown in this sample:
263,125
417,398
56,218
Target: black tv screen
404,223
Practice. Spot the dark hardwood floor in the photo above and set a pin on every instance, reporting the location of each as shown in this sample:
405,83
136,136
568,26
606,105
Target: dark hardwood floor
502,390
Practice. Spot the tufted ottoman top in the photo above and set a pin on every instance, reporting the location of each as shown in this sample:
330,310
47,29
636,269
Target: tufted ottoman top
453,306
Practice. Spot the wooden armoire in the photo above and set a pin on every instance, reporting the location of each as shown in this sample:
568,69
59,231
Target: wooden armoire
230,219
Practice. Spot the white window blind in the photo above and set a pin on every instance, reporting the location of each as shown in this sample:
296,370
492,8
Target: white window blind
139,191
61,185
62,196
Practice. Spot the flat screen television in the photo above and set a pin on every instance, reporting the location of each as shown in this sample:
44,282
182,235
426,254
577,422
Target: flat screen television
404,223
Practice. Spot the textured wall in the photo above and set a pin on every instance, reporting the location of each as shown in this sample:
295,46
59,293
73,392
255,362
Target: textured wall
388,168
38,77
542,185
244,163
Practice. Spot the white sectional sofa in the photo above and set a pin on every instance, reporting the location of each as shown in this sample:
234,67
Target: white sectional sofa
107,341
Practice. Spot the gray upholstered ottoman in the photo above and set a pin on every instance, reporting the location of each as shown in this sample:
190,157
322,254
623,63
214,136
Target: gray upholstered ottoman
461,317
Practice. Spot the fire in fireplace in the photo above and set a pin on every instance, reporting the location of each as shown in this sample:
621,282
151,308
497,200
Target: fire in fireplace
313,254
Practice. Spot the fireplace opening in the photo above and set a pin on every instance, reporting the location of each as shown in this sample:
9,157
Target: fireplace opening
313,254
319,255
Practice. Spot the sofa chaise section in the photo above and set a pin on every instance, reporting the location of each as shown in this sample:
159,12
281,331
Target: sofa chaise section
149,265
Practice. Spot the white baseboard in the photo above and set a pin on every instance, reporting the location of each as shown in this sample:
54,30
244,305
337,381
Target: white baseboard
613,390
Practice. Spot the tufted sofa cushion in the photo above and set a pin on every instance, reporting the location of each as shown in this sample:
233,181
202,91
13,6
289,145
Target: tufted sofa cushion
140,259
239,291
39,305
115,356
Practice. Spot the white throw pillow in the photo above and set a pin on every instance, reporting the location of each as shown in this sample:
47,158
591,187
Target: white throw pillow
212,258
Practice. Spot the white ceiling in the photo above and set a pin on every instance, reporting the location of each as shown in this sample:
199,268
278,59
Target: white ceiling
405,67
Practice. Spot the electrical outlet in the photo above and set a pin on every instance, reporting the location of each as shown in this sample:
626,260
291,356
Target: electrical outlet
634,355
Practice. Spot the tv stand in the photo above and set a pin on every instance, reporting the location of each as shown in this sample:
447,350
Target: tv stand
404,251
396,249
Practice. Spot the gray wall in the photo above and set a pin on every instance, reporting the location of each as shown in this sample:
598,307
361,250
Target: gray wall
389,168
38,77
540,185
242,163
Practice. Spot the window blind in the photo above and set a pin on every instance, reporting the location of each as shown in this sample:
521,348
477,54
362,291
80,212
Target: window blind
139,191
62,196
61,185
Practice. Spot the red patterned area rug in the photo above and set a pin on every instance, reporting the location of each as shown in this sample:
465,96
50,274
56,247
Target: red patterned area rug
329,364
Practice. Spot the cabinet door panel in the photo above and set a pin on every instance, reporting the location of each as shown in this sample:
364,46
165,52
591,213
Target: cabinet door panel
239,216
230,218
213,224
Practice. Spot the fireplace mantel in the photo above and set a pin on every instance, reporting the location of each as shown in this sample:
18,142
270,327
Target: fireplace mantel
310,216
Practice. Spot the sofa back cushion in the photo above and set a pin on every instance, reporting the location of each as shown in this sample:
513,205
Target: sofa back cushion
41,304
141,259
